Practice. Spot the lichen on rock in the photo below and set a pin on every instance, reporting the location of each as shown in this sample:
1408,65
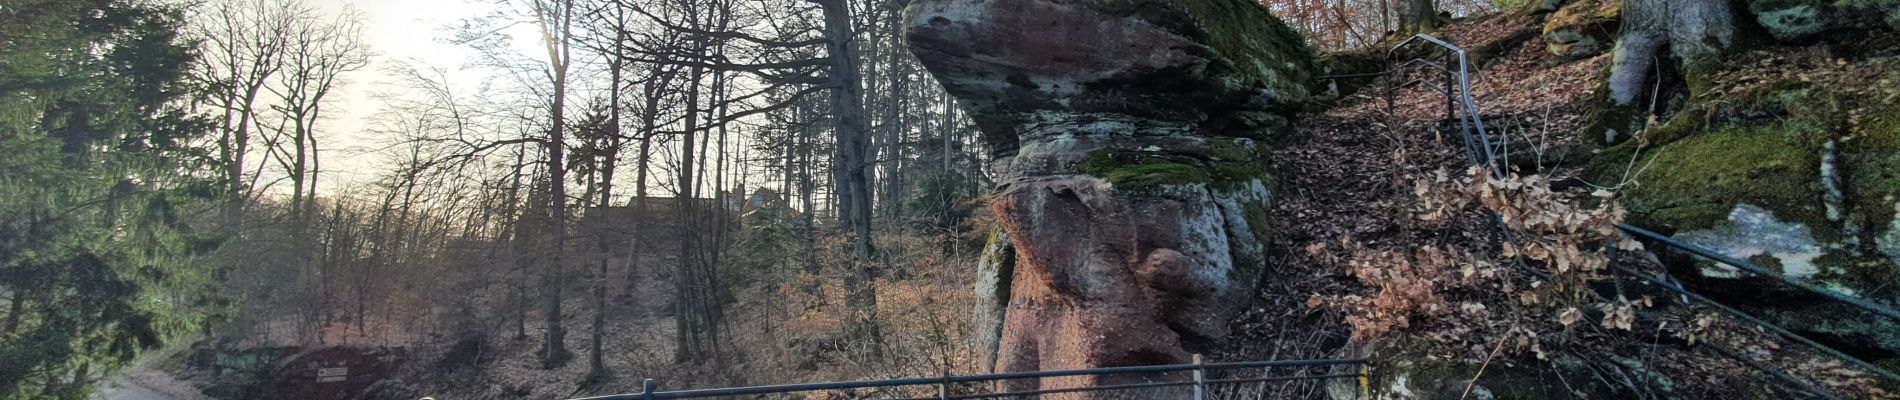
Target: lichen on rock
1752,232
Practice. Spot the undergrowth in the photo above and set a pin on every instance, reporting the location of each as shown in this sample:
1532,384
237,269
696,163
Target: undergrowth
1541,288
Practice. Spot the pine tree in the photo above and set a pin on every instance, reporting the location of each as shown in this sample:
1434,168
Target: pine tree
95,161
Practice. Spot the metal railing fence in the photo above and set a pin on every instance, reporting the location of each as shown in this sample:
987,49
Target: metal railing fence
943,386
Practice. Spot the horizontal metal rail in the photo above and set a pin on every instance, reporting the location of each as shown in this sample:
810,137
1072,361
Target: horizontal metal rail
1777,374
1463,98
1140,386
1387,71
946,380
1759,271
1106,388
1771,327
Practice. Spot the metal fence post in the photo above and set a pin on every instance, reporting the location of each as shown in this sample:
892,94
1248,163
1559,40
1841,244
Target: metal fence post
1200,379
943,387
1365,381
646,389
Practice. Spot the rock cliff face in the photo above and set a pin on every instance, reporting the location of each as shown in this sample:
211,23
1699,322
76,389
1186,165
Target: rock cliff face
1128,143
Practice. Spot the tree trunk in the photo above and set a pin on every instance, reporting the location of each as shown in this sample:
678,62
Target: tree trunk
15,308
1417,16
519,253
596,368
649,115
855,185
1693,31
808,223
554,352
685,294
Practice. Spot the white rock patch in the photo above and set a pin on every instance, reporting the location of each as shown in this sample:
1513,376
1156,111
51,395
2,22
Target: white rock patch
1753,231
1889,243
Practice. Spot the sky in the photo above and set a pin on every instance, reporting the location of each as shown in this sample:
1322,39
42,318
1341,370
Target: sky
405,32
398,32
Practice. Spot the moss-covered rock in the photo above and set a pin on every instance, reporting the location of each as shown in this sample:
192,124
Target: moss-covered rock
1019,65
1694,183
1125,136
1142,172
993,271
1262,51
1218,161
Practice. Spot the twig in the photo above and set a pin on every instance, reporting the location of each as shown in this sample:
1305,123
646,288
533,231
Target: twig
1487,363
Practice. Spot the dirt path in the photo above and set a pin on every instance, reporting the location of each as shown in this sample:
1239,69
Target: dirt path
123,389
139,383
1344,174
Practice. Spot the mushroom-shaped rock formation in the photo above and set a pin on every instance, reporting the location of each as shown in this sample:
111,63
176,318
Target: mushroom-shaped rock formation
1128,141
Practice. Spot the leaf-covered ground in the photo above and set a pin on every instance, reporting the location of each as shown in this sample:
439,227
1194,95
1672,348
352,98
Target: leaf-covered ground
1364,265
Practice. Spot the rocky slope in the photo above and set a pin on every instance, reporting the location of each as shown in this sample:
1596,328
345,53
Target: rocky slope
1768,145
1781,148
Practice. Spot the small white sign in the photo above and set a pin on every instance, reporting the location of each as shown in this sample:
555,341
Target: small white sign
329,372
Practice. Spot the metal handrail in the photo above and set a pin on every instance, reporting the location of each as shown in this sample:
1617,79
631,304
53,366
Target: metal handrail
1771,327
650,393
1471,117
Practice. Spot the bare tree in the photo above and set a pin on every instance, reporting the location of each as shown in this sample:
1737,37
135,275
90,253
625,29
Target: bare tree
555,19
318,53
854,156
244,44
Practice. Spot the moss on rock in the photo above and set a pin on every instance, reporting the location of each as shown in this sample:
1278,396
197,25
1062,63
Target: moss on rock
1242,37
1762,146
1698,180
1812,140
1222,162
1143,173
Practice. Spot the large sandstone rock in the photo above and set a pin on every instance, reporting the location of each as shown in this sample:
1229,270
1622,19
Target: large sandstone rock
1127,143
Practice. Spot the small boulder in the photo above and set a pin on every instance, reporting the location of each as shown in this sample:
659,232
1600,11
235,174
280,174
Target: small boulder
1582,29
